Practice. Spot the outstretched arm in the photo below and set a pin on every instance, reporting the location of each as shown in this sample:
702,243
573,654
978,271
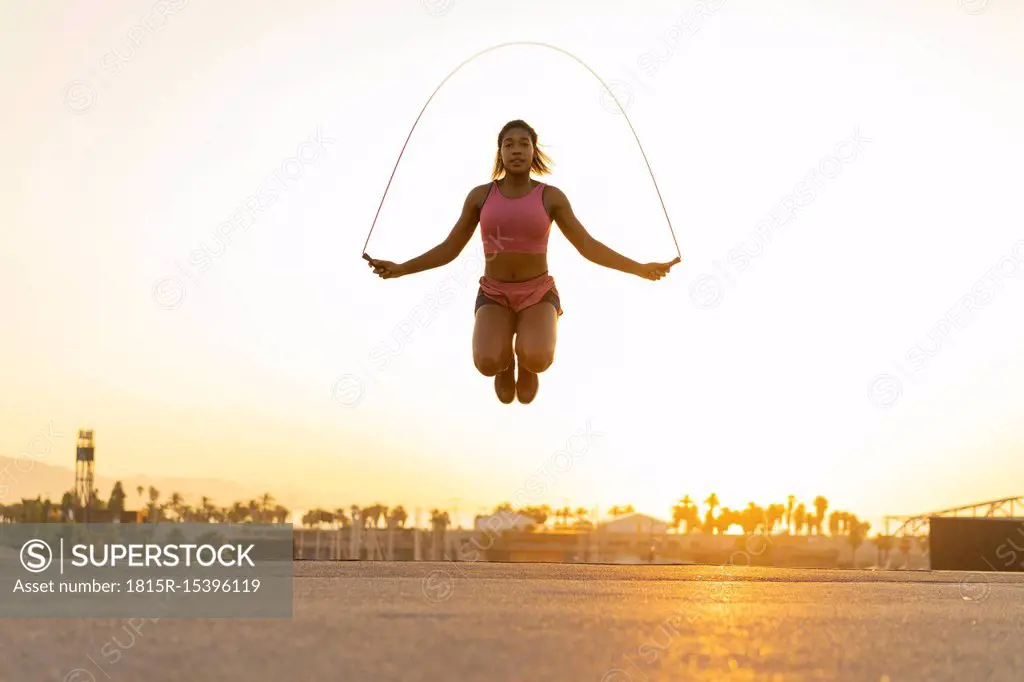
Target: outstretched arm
591,248
446,251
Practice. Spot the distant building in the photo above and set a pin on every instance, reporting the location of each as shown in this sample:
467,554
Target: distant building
634,523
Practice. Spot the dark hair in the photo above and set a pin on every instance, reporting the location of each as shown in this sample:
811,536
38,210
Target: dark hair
541,162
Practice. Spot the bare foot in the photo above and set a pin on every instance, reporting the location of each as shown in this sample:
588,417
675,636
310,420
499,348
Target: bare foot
526,386
505,383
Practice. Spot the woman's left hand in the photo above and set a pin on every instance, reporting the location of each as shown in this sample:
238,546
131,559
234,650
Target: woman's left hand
385,269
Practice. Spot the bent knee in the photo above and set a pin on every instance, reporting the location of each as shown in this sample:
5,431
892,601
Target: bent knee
490,364
535,359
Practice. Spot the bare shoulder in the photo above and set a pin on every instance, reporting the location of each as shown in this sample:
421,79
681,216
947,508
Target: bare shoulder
554,192
478,195
481,190
554,200
471,208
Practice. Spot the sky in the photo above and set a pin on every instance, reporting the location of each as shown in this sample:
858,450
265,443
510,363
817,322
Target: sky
189,187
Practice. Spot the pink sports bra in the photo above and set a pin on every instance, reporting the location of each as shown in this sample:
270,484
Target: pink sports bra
519,225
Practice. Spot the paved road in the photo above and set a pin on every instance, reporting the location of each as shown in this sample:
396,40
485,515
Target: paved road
414,622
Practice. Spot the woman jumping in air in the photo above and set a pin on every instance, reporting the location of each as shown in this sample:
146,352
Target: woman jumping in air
517,298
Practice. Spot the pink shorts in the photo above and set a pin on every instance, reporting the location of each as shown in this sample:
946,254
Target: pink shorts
518,296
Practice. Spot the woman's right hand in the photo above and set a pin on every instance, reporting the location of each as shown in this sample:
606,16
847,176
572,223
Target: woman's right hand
654,271
385,269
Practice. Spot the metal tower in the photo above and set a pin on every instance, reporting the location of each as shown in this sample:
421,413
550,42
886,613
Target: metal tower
85,459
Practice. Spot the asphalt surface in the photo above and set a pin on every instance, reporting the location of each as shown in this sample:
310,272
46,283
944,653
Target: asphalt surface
415,622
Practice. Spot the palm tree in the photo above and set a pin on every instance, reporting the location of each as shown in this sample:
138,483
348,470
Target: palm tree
155,512
858,530
752,518
799,517
726,519
439,521
117,497
692,518
679,512
709,522
355,536
175,505
820,507
775,515
238,513
267,505
883,545
685,512
372,513
314,518
709,517
207,509
67,505
837,519
188,513
812,521
400,516
96,501
712,503
790,501
539,515
395,520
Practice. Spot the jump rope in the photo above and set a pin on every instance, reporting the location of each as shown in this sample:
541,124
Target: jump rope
557,49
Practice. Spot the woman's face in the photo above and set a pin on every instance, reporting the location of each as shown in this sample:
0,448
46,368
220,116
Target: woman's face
517,151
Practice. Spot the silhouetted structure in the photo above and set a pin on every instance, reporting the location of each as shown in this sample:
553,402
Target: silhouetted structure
918,525
85,460
976,544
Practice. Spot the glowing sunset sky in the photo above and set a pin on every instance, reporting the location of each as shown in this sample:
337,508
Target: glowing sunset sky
843,179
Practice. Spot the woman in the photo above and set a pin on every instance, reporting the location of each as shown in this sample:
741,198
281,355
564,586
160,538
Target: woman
517,298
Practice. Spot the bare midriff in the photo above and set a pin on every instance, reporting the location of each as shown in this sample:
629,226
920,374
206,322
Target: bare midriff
515,267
